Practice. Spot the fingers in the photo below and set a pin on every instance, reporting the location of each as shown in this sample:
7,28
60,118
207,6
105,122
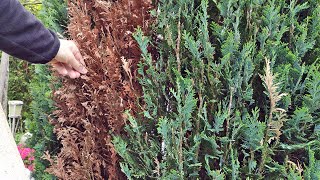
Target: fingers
72,73
69,60
75,59
65,70
60,68
77,55
75,64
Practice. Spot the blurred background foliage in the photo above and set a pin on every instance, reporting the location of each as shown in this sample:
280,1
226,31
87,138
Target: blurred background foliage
33,85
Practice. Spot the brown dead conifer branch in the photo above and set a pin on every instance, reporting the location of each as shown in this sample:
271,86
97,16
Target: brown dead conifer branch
272,125
90,109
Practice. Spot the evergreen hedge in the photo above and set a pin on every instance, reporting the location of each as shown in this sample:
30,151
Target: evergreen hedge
223,90
233,92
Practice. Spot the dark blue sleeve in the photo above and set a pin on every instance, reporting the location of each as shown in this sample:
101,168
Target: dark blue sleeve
23,36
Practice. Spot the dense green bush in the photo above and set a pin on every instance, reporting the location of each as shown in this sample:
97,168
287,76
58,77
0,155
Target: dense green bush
20,75
31,84
233,92
54,15
42,139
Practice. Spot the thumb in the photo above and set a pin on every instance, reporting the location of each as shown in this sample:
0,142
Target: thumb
69,54
75,64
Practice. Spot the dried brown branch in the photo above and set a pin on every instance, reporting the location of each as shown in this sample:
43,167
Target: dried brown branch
91,108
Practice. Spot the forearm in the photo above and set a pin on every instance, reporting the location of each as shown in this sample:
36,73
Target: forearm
23,36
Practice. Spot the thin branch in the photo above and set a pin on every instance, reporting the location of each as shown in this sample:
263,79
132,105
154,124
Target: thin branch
31,3
178,44
232,89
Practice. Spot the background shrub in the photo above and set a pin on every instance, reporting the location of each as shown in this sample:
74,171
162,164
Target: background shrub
53,14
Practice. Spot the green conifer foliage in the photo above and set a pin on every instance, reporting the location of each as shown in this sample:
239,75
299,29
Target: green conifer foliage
232,93
42,140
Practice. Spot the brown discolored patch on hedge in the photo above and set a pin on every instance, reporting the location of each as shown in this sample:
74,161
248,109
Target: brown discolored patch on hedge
91,108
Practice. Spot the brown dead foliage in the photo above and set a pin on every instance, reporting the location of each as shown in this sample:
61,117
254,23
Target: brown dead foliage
91,108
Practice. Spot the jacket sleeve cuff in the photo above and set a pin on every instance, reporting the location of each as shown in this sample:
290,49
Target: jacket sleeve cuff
51,54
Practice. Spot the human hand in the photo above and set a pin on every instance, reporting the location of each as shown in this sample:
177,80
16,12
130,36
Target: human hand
69,61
